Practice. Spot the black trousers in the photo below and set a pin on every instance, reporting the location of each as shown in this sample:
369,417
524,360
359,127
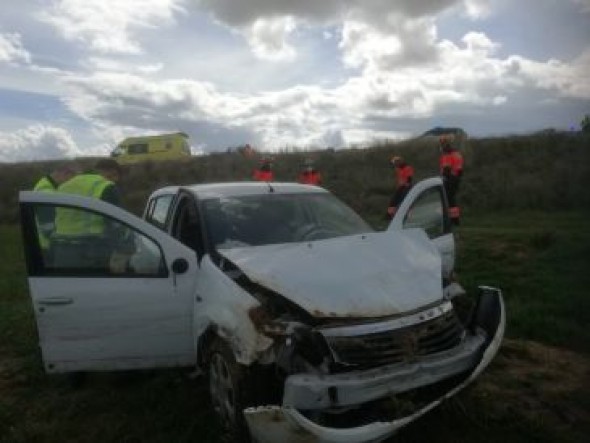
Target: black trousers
399,195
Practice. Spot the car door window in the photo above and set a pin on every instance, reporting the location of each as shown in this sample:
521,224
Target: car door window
187,226
81,242
427,212
159,211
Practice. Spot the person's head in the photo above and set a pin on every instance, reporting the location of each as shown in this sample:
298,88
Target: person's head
308,165
396,161
445,144
64,171
109,169
265,164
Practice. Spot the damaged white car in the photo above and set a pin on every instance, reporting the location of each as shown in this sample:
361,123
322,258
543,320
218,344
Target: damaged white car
309,325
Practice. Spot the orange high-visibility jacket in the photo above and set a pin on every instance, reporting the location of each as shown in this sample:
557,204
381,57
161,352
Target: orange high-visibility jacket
310,178
452,160
404,175
263,176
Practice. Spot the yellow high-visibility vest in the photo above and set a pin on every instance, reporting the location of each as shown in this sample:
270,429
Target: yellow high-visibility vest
44,185
76,222
45,227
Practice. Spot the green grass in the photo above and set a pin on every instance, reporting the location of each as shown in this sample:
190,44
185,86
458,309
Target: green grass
542,265
540,261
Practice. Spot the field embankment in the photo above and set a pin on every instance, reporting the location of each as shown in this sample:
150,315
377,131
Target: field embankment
544,173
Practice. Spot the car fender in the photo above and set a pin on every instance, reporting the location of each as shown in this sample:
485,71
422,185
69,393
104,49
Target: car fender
222,306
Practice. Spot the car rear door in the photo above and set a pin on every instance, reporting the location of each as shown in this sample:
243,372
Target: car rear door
426,207
121,301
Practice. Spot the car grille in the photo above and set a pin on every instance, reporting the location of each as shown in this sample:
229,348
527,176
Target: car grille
394,346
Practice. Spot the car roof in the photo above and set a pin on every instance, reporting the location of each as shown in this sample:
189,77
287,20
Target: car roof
234,189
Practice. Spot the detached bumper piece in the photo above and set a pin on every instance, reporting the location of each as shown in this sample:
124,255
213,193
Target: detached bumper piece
306,395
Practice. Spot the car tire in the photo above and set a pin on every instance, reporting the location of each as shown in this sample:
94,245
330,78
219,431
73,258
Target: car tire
226,380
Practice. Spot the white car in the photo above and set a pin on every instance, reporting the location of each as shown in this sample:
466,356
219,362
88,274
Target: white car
310,325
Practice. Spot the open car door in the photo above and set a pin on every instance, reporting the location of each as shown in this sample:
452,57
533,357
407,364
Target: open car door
426,207
119,300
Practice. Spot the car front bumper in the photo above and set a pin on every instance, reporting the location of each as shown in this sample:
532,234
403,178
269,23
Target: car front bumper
285,424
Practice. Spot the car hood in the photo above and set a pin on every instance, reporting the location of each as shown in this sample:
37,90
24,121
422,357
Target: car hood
369,275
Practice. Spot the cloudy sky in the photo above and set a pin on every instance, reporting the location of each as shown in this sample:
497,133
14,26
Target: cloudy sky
76,76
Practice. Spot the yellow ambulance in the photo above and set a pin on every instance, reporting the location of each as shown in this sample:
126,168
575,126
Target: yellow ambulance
152,147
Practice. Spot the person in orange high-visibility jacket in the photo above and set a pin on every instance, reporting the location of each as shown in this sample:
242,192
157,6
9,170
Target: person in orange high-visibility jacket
451,170
310,175
264,172
404,177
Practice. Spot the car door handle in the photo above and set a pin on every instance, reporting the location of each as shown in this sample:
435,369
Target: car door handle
52,301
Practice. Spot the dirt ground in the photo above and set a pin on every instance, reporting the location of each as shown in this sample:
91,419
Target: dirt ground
530,392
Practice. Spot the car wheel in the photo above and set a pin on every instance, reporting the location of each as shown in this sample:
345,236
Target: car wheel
227,392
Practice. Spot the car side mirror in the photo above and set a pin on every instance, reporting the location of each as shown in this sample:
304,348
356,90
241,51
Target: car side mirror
179,266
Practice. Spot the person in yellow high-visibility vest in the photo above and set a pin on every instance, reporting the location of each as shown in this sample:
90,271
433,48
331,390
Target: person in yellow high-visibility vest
46,215
83,239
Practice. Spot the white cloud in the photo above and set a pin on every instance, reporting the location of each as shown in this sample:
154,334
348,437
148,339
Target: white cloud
244,12
387,87
109,26
477,9
478,42
105,64
12,50
405,42
267,23
567,80
268,38
37,142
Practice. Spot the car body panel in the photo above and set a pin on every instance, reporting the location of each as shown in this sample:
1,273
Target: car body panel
286,424
223,305
364,276
445,243
105,323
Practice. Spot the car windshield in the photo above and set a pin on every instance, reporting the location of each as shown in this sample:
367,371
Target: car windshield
256,220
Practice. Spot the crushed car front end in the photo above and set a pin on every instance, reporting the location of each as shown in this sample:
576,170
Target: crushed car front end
362,333
383,375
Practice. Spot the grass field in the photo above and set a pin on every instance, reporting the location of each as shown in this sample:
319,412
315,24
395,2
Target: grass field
537,390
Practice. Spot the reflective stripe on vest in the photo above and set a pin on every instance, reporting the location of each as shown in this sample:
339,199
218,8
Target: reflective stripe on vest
76,222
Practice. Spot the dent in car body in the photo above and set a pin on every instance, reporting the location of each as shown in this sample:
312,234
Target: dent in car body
223,305
362,276
287,425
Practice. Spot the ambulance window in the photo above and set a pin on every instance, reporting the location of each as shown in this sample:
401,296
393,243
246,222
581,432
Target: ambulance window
138,148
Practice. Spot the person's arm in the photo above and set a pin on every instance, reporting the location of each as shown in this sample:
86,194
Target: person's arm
111,195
